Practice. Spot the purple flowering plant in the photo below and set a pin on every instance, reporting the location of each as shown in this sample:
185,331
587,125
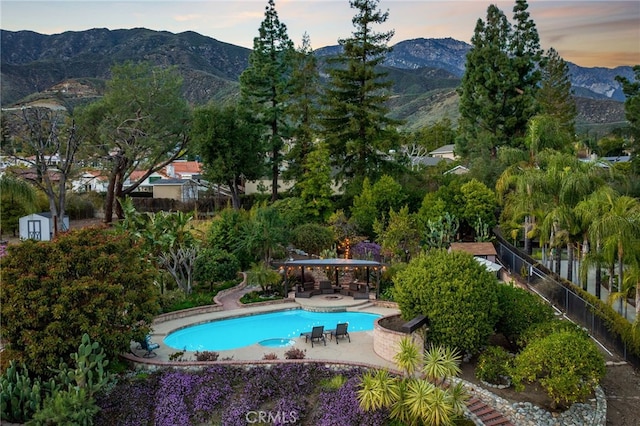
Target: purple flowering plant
227,395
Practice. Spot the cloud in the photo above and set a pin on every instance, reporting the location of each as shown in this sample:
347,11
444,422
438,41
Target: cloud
187,18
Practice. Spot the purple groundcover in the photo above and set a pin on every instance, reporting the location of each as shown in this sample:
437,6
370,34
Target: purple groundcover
227,395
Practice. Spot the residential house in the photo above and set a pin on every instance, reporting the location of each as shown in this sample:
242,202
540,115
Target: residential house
90,180
445,151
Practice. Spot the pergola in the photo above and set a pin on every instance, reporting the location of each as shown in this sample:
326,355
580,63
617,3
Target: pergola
336,264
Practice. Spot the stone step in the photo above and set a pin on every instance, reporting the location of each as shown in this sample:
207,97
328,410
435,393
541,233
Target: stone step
483,411
490,416
501,421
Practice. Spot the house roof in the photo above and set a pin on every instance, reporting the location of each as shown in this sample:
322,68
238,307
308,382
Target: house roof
459,169
192,167
476,249
444,149
491,266
431,161
342,263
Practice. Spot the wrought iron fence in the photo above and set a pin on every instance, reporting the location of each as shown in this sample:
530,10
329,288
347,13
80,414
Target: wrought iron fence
559,294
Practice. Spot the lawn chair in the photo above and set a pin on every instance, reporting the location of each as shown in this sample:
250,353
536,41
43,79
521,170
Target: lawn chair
148,346
340,331
316,333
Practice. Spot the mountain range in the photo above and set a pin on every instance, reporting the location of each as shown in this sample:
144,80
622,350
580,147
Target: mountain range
73,66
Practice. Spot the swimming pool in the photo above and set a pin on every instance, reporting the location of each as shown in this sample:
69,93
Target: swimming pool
235,333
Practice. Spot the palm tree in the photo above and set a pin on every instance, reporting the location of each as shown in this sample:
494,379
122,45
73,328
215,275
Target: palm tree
567,182
619,230
615,228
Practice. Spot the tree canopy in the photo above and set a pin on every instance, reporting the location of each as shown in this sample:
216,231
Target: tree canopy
354,117
230,145
264,86
498,89
141,122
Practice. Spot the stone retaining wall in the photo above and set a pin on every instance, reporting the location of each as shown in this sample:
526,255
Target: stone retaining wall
386,343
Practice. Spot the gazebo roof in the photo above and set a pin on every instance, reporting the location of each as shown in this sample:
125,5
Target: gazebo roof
344,263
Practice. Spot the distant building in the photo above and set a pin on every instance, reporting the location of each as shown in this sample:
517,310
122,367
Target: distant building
184,190
445,151
90,180
483,250
40,226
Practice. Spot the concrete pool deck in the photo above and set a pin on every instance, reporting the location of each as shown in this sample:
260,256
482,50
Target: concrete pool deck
359,350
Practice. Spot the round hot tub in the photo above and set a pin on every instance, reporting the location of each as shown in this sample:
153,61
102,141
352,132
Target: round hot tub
277,343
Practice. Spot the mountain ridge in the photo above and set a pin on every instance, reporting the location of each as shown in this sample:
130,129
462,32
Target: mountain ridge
423,69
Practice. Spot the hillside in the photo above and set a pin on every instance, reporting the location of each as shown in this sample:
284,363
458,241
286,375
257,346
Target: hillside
71,68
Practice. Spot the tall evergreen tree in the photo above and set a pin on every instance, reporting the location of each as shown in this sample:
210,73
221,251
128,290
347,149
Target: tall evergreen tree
555,96
632,112
484,88
264,86
526,57
356,127
303,108
497,94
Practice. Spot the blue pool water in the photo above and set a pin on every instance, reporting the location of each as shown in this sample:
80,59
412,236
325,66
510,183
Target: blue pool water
248,330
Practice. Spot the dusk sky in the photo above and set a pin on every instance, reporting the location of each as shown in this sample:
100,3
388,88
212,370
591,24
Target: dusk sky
587,33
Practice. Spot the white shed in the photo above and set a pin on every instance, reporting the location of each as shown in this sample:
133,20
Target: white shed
40,226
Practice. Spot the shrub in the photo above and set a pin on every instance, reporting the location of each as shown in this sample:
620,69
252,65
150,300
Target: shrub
567,365
494,365
270,356
177,356
312,238
334,383
541,330
90,281
69,407
519,310
206,356
455,292
295,353
215,265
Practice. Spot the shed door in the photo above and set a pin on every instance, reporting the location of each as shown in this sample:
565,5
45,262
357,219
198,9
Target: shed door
34,232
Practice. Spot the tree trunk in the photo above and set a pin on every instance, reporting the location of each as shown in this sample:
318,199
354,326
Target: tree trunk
527,241
570,262
598,280
108,201
558,260
235,197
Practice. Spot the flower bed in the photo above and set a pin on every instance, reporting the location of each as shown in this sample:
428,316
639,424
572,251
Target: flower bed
232,395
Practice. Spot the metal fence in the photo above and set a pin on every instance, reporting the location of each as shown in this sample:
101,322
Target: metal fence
560,294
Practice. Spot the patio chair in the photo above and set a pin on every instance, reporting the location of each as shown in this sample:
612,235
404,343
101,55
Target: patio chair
148,346
316,333
340,331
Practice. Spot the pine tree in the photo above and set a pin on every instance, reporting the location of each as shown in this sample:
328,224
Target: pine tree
302,109
555,96
631,90
264,86
356,127
526,56
497,94
484,88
